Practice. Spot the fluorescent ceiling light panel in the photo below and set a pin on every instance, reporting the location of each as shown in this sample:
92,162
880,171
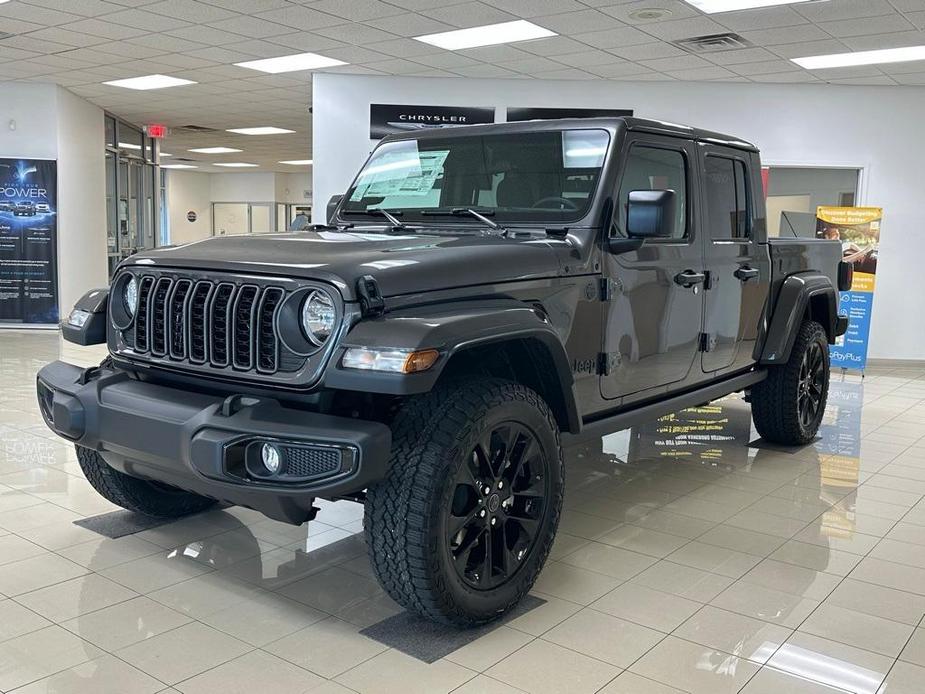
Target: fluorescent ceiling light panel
178,166
129,145
236,164
885,55
263,130
215,150
291,63
297,162
714,6
149,82
489,35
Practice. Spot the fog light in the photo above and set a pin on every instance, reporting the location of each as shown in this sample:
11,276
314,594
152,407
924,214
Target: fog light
78,318
269,454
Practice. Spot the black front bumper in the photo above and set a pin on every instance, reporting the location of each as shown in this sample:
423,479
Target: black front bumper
197,442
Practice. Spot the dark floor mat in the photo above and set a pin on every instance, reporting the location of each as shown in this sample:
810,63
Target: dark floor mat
428,641
120,523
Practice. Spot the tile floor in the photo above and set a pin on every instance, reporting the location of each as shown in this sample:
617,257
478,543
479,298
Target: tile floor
687,561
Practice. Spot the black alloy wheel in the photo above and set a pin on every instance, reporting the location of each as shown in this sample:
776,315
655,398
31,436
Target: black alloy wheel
498,505
811,384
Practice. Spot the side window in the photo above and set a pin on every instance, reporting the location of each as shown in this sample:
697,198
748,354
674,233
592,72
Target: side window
654,168
726,186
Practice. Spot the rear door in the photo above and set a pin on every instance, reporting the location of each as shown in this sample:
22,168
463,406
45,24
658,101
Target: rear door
652,320
735,258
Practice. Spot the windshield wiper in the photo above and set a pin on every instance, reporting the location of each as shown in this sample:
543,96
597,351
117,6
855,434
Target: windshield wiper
481,216
391,216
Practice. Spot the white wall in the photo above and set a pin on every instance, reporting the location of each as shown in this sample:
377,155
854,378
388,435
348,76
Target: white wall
82,260
189,191
292,188
877,128
53,123
243,187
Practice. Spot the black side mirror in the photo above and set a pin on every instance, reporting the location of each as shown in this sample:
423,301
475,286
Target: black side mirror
332,208
86,323
650,214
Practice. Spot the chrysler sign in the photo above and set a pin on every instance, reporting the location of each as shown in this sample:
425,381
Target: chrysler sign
385,119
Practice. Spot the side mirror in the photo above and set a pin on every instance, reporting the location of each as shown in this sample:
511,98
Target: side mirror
86,323
332,208
650,214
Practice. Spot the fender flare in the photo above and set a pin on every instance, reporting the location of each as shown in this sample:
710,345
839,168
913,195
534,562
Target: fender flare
797,293
451,328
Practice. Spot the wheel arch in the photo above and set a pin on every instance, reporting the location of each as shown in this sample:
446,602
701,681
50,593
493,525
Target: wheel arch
802,296
504,338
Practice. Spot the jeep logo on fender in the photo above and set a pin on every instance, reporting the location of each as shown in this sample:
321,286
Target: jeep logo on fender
385,119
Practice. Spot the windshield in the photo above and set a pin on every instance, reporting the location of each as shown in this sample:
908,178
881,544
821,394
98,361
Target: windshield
527,176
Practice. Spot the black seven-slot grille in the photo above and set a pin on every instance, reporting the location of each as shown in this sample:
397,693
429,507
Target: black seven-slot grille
211,323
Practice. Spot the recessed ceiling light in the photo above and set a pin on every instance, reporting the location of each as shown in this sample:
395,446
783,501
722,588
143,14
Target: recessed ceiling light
885,55
149,82
291,63
178,166
297,162
235,164
650,14
489,35
128,145
263,130
714,6
215,150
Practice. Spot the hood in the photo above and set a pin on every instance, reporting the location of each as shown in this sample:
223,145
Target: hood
402,263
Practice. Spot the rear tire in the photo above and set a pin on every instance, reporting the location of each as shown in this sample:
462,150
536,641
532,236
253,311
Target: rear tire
462,525
789,404
137,495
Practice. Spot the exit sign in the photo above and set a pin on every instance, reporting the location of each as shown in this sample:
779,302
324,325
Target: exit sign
156,131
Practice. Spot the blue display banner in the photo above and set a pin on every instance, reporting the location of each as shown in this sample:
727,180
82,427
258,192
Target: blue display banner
858,229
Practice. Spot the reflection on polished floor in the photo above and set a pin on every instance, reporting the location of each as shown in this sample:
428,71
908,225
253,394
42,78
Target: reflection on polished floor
690,559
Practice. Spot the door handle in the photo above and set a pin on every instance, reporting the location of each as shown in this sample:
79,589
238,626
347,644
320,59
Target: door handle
689,278
746,273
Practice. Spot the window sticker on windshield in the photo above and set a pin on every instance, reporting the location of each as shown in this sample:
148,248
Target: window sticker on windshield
400,173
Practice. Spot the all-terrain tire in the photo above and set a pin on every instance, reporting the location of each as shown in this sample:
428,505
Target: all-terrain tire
408,514
776,401
137,495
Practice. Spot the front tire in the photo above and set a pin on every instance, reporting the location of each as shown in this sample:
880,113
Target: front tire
137,495
462,525
789,404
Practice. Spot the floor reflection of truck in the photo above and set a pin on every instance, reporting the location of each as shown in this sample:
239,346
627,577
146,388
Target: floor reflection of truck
24,209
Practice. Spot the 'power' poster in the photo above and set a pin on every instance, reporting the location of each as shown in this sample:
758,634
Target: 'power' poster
28,241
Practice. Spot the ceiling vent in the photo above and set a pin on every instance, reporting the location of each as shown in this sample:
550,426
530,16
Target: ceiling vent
713,43
192,129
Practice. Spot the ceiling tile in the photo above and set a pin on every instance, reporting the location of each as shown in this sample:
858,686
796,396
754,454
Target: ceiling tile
412,25
356,34
782,35
251,26
873,81
300,17
766,18
648,51
63,36
701,73
42,16
868,25
553,46
357,10
578,22
85,8
624,12
800,50
764,67
587,59
484,71
744,55
469,14
403,48
189,11
615,38
569,73
496,54
532,64
677,63
894,40
537,8
684,28
301,41
625,70
843,9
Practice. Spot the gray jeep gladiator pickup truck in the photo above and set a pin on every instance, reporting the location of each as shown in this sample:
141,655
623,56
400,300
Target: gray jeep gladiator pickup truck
478,295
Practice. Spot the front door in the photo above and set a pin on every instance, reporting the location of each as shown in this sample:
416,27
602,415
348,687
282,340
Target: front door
735,259
652,319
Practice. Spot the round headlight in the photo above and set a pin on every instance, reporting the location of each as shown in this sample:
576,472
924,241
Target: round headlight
318,317
130,296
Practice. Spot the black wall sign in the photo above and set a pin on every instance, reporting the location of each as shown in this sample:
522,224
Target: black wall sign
28,241
527,113
385,119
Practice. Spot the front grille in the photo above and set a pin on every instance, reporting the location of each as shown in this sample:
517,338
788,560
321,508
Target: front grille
206,322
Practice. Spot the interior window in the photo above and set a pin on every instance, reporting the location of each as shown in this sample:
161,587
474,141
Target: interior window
727,198
655,168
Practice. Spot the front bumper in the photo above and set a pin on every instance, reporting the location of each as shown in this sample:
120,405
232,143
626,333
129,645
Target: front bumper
198,442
